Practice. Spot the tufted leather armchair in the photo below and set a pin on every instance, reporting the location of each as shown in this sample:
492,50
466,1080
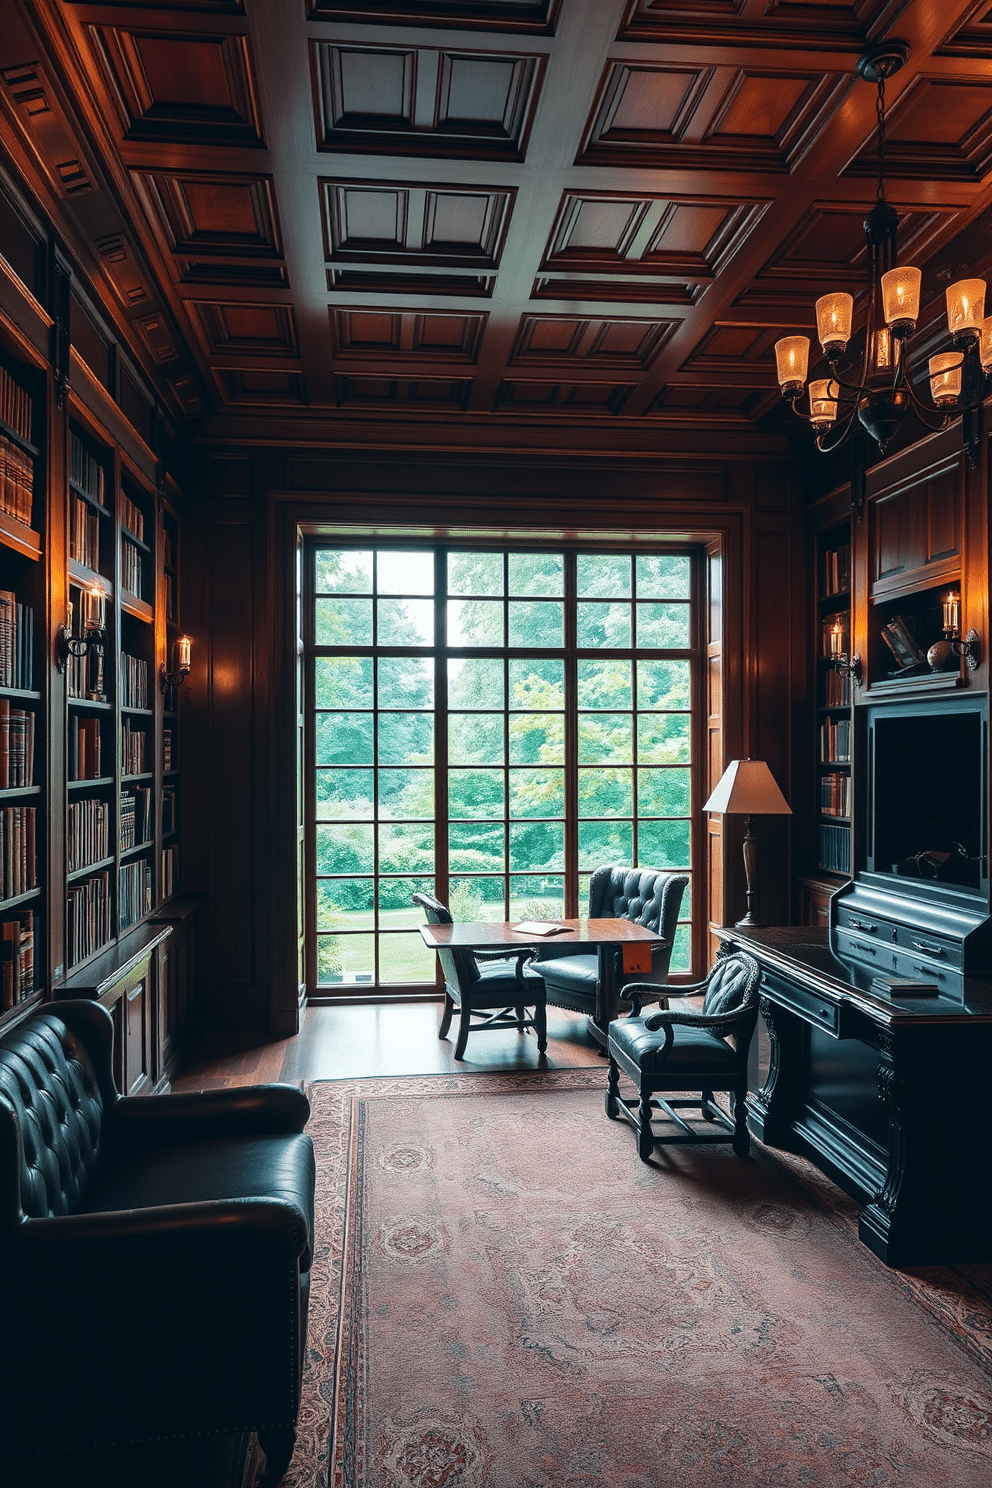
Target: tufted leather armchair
154,1252
645,896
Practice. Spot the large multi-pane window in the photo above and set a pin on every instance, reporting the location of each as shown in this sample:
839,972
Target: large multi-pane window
490,726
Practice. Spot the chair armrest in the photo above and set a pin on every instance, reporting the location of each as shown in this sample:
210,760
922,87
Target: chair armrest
714,1021
504,953
652,989
77,1240
142,1123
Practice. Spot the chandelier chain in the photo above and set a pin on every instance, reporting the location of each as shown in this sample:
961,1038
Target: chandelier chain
880,118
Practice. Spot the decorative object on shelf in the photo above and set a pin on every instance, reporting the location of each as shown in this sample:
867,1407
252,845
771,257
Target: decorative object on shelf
847,666
881,392
94,627
968,648
747,788
181,655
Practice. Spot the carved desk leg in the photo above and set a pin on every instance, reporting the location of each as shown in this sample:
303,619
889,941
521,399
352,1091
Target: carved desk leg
771,1110
895,1222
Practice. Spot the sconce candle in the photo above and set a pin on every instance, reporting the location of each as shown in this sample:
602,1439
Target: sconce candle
183,647
952,613
94,608
836,640
945,378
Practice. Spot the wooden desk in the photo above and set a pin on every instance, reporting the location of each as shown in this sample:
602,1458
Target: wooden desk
601,936
886,1096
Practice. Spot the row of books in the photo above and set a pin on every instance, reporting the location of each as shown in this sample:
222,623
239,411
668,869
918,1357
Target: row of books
16,481
87,831
167,749
16,642
132,518
87,917
134,681
84,674
18,857
136,817
84,534
134,892
133,750
170,871
835,849
17,728
835,741
130,568
835,794
17,937
85,749
169,819
85,471
837,570
836,690
15,406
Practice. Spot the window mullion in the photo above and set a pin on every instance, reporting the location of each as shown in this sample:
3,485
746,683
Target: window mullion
571,896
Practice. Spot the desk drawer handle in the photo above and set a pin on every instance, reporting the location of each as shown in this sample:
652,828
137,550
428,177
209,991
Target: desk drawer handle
928,971
825,1013
871,950
863,925
927,948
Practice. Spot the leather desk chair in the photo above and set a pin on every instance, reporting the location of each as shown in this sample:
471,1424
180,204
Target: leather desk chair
645,896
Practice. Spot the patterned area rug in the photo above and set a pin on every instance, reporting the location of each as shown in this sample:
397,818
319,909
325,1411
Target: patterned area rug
504,1295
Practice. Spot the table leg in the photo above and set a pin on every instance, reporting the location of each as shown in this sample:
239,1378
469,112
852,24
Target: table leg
607,1001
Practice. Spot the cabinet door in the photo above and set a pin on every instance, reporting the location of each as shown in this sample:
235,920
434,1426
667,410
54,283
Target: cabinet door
137,1037
916,531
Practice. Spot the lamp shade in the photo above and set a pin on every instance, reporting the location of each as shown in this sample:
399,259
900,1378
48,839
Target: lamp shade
747,788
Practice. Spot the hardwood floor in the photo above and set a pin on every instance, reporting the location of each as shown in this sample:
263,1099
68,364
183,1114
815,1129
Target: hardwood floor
341,1043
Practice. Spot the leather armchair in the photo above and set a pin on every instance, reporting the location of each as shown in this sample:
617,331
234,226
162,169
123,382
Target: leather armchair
154,1251
646,896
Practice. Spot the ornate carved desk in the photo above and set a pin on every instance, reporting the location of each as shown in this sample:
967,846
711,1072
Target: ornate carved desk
887,1096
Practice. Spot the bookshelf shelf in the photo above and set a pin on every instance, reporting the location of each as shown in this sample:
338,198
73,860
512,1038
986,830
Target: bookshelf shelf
26,898
88,868
132,605
7,431
16,535
11,791
75,785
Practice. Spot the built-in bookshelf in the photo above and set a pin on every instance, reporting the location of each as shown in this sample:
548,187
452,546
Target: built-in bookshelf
23,814
833,700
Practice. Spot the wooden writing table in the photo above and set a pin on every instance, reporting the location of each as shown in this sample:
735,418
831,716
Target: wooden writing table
605,937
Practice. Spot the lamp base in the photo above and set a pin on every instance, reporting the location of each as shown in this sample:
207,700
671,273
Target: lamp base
749,922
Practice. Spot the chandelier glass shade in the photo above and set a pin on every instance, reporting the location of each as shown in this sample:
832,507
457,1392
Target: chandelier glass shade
877,388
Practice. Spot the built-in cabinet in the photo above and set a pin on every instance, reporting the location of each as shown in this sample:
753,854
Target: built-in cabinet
90,724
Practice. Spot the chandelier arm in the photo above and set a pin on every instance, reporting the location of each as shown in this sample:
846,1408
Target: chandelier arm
833,438
928,414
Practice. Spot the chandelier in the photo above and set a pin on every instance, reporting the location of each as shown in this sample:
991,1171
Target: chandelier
877,388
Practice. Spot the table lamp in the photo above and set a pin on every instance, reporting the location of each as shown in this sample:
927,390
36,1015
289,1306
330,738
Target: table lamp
747,788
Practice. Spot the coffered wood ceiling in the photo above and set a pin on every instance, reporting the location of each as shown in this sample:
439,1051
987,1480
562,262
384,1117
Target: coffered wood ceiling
492,223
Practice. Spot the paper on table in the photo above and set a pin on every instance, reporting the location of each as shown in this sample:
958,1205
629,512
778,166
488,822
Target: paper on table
539,927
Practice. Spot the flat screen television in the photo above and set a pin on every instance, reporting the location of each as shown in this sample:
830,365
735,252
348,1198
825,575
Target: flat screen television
927,790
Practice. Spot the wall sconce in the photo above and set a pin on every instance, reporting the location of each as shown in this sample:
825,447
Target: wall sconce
181,654
839,660
968,648
94,627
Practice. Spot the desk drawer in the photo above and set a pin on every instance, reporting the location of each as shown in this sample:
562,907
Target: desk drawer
819,1011
866,925
892,960
938,948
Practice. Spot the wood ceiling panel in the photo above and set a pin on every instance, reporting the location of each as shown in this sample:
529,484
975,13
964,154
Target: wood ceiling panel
412,335
387,281
839,24
180,86
649,234
207,212
424,102
625,344
489,15
262,387
941,129
245,329
579,398
396,222
653,291
710,118
426,393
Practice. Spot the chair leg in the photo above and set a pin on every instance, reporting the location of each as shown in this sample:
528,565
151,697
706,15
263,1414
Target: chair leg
645,1136
613,1091
706,1106
541,1025
464,1023
277,1442
521,1017
742,1137
449,1008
